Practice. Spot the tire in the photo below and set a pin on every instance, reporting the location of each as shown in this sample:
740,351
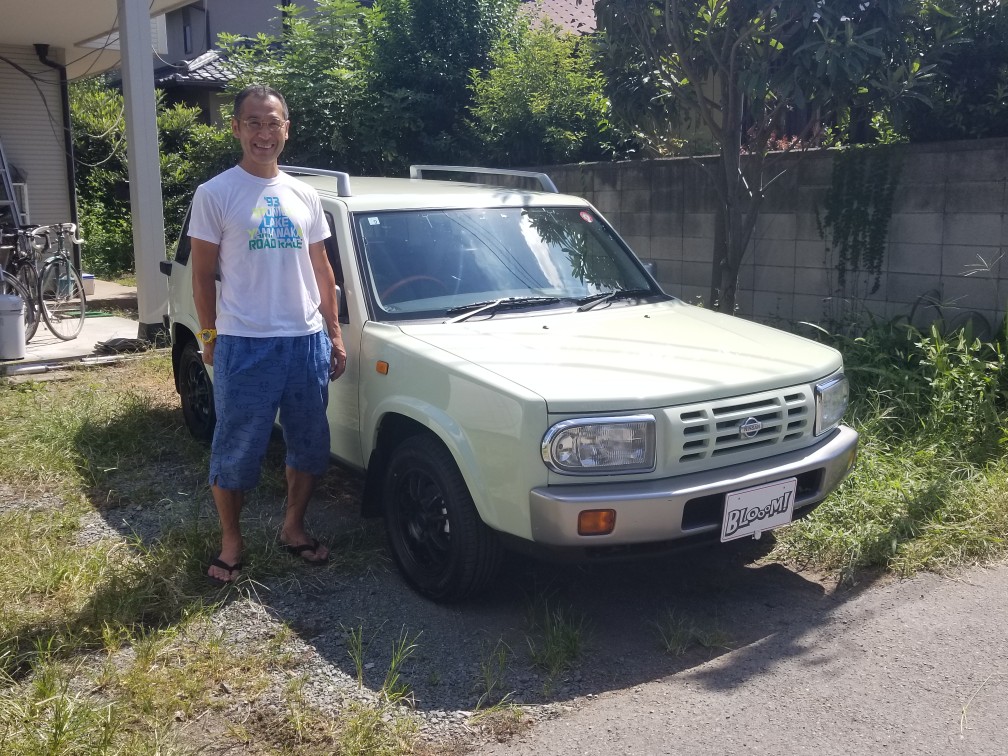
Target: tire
196,393
436,537
11,285
63,302
29,278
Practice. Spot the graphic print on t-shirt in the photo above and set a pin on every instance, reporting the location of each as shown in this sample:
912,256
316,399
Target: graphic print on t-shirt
276,230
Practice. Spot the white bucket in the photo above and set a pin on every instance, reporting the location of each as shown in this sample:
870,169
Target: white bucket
12,327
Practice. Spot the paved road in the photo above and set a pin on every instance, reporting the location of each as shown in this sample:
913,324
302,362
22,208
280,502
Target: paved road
918,666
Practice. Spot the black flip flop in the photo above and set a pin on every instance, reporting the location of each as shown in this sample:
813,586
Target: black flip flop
231,568
299,552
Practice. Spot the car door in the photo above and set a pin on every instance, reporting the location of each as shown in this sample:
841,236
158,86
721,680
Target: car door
343,411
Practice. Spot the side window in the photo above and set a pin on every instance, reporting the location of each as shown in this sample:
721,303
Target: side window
332,252
184,247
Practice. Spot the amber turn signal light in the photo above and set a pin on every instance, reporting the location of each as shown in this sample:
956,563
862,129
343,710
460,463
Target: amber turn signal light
596,522
382,367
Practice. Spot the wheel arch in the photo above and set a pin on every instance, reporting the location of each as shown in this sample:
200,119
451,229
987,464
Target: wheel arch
397,426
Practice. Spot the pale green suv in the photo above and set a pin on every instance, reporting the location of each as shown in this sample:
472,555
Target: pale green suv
516,377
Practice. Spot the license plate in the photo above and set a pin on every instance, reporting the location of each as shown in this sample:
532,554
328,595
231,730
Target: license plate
750,512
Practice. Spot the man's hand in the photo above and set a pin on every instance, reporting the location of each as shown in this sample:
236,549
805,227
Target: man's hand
337,363
207,353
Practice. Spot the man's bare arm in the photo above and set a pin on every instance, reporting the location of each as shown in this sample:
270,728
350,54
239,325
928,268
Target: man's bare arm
204,256
329,306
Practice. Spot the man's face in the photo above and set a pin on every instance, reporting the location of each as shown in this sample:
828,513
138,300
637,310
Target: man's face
262,130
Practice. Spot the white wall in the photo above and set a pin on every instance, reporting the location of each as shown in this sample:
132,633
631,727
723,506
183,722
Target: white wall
31,128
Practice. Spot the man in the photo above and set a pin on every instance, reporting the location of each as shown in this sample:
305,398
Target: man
272,334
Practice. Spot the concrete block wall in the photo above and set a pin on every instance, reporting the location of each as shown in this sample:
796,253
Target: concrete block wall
947,234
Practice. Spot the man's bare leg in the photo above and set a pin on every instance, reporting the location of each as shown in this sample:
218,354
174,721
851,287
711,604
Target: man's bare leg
229,506
300,486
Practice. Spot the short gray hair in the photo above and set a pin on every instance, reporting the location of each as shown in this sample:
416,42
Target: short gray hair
261,91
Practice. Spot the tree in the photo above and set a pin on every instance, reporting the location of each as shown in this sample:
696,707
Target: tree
746,73
321,64
373,88
968,96
543,100
424,52
190,152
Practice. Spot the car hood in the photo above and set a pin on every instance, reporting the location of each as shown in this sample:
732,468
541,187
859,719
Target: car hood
626,358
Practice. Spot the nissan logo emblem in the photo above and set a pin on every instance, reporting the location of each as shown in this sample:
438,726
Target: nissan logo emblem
749,427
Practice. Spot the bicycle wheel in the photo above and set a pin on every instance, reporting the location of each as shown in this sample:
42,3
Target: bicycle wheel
28,277
63,301
10,285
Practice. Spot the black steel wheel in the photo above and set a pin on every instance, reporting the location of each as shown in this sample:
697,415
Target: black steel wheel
196,393
435,534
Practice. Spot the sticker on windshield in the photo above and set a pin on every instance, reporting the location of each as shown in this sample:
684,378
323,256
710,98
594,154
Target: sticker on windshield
372,221
586,217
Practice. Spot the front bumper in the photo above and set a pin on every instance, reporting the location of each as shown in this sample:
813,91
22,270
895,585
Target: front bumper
688,505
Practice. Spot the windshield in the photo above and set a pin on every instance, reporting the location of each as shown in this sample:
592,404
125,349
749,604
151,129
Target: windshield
429,263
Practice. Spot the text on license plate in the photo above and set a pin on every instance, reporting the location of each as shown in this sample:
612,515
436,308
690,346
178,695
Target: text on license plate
757,509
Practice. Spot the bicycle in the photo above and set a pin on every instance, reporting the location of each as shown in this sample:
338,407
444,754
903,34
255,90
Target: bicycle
61,298
18,258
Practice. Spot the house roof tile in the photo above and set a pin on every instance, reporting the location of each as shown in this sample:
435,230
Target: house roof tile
577,16
208,70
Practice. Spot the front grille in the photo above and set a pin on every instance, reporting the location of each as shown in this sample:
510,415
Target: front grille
712,429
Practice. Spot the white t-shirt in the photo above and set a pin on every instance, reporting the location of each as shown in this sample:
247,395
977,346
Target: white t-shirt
263,228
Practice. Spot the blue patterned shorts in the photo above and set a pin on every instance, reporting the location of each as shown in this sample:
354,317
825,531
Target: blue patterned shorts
253,378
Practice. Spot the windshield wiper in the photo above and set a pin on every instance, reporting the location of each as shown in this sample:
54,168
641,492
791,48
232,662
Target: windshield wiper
607,296
493,305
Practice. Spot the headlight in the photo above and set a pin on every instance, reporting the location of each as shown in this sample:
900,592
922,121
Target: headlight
601,445
830,403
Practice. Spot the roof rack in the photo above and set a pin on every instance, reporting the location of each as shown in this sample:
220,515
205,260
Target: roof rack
342,179
416,172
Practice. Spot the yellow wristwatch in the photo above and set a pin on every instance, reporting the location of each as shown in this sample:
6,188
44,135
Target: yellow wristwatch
207,335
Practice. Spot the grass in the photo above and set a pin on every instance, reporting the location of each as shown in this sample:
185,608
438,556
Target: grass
493,670
677,633
929,490
556,639
110,645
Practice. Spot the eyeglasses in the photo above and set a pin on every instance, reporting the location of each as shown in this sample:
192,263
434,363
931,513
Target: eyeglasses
254,124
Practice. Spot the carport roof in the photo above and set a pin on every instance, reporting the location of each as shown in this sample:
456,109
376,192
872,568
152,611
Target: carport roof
86,30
